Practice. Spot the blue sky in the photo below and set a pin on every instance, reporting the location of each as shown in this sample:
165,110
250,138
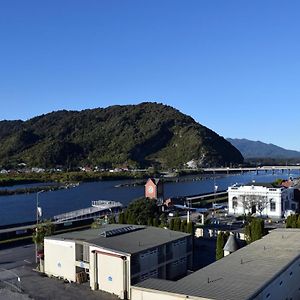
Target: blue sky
234,66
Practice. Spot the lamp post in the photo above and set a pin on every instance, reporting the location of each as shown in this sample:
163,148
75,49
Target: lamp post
38,212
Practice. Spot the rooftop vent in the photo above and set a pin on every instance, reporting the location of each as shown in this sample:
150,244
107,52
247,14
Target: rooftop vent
118,231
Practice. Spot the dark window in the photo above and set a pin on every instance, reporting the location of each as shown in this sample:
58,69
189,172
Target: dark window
272,205
234,202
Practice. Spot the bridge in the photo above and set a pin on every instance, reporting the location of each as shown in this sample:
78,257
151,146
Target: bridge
252,169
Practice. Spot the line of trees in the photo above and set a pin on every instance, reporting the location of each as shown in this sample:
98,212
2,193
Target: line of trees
146,212
254,230
293,221
221,241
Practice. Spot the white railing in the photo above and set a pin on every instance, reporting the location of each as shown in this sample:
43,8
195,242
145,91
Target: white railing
106,204
97,207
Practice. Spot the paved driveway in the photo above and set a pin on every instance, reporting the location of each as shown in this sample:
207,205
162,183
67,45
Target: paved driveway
18,262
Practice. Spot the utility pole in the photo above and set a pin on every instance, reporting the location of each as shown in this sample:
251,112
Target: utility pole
38,214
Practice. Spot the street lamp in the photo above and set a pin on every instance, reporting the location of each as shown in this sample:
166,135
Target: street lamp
38,214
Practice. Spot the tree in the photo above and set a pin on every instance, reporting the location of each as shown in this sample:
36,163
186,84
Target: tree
140,210
97,223
112,219
171,224
177,224
155,222
254,230
293,221
183,226
163,220
122,219
150,222
190,228
42,230
257,202
221,241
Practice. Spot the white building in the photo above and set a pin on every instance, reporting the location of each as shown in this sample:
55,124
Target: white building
115,257
261,199
267,269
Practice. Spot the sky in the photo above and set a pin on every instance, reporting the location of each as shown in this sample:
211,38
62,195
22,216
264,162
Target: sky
233,65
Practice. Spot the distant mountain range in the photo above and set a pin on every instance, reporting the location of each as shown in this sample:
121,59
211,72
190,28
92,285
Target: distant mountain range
257,149
148,134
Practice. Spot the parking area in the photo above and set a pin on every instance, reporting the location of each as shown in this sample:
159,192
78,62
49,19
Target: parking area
18,262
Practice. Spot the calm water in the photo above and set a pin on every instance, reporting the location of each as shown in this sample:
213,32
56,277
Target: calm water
21,208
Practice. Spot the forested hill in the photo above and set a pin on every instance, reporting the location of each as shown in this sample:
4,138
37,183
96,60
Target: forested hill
257,149
130,135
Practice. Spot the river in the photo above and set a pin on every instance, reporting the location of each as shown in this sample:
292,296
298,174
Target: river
22,208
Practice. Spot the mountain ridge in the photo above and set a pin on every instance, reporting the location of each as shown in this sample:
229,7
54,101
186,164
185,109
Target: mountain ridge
147,134
258,149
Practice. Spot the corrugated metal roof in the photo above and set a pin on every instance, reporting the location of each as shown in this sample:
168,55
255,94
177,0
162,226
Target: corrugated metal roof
240,275
129,242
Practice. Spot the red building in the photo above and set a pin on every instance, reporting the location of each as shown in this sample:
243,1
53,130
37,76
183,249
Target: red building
154,189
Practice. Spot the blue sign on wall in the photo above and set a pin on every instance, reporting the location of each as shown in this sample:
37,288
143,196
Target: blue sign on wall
109,278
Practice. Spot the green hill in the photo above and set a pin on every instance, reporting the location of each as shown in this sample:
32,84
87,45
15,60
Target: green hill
148,134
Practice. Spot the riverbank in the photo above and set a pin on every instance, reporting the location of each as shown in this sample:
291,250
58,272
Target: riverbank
180,178
44,188
69,177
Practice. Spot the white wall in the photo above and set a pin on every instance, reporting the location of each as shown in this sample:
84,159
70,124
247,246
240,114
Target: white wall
108,272
60,258
276,195
111,274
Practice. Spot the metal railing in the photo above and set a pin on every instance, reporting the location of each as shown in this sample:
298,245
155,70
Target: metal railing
96,209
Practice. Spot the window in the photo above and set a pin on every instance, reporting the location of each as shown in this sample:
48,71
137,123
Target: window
234,202
287,205
272,205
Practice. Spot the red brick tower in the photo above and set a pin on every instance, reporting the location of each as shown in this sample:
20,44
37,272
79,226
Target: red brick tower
154,189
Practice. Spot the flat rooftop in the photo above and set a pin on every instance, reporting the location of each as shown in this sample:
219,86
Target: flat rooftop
240,275
142,238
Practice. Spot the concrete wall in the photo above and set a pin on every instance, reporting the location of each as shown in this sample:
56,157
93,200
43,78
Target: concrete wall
148,259
60,259
179,248
109,272
207,232
111,276
285,286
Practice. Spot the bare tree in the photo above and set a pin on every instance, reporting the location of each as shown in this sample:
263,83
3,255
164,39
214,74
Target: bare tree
258,202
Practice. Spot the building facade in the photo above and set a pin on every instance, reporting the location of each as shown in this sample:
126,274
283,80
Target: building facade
154,189
261,199
117,256
267,269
